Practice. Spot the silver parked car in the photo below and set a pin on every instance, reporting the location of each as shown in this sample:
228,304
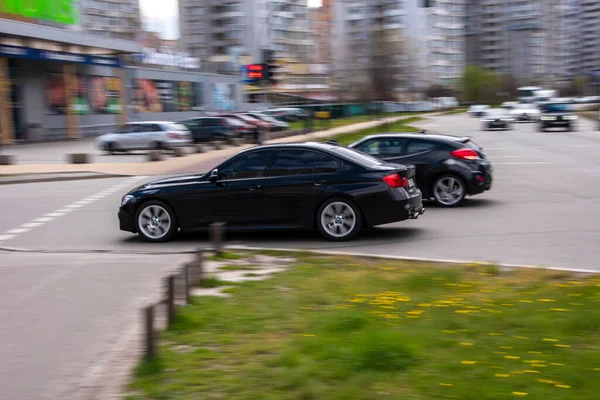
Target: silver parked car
145,136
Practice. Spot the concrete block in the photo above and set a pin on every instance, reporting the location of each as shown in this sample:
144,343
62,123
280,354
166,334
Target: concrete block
79,158
179,152
155,155
7,159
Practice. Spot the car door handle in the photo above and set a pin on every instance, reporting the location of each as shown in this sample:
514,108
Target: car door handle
319,183
254,187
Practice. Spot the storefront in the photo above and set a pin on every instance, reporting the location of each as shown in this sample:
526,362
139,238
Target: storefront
56,84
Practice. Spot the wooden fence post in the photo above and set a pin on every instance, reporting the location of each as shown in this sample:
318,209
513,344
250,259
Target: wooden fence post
186,273
217,236
150,349
170,299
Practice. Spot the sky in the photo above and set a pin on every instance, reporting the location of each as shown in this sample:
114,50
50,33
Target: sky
162,16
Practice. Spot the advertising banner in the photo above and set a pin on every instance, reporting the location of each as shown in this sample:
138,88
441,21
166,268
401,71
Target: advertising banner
223,96
165,96
91,95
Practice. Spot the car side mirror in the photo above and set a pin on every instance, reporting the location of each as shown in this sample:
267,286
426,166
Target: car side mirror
214,176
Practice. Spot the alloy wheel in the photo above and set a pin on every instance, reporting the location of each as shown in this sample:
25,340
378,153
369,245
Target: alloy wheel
154,222
338,219
449,190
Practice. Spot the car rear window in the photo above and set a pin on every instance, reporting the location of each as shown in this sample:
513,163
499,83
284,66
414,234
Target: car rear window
358,157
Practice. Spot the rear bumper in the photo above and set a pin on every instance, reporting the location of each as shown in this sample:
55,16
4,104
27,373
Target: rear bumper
399,205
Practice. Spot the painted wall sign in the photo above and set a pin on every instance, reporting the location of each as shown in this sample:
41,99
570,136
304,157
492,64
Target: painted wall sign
36,54
61,11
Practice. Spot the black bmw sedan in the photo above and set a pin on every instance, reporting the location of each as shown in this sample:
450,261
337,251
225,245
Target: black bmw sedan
448,168
332,188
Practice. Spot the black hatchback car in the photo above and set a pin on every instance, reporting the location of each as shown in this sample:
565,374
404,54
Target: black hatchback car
312,185
448,168
206,129
557,115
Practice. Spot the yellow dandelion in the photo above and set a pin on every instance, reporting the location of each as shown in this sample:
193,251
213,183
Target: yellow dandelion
575,304
437,279
467,362
535,352
424,305
550,340
525,301
546,300
546,381
308,334
501,375
415,312
596,369
506,347
499,352
563,386
495,367
531,371
447,331
561,309
507,305
512,357
388,307
533,361
521,337
557,364
563,345
466,343
520,394
464,311
495,334
445,384
538,365
575,294
357,300
575,282
391,316
413,316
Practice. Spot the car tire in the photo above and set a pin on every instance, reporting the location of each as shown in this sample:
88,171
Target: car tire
449,190
156,146
542,129
111,147
570,128
339,219
156,221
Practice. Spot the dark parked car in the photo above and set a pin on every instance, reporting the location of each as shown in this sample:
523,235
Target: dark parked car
448,168
557,115
208,129
496,118
332,188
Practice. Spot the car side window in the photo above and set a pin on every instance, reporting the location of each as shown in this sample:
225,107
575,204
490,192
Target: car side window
416,146
382,147
303,162
156,128
247,166
134,128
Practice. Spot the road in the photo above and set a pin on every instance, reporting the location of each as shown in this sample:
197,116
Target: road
544,209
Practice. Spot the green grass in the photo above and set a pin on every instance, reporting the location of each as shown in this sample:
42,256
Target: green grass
211,282
334,123
458,110
400,126
226,256
348,328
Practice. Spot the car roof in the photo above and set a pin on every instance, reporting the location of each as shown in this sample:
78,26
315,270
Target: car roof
422,136
150,122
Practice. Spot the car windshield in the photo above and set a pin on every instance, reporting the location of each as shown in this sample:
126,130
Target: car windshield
246,118
358,157
177,127
557,107
496,113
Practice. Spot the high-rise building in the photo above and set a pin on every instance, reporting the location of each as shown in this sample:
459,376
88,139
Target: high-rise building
221,32
321,21
589,35
118,19
431,33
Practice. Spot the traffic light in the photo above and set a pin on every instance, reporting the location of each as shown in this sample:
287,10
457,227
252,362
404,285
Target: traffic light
270,67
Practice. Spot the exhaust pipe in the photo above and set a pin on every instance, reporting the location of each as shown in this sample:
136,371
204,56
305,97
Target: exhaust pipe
414,214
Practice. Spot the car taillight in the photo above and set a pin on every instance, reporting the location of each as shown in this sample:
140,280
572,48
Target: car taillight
465,154
395,181
173,135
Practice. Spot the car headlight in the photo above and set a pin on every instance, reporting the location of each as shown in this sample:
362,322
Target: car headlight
548,118
570,117
127,199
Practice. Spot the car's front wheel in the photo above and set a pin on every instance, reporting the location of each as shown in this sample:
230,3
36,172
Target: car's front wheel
449,190
156,222
339,219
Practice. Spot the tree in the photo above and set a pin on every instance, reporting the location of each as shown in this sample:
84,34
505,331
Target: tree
439,91
577,86
480,85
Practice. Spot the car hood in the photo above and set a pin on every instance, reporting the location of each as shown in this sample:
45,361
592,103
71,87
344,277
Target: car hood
171,181
558,113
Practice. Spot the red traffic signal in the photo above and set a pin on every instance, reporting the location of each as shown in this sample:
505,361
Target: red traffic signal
255,71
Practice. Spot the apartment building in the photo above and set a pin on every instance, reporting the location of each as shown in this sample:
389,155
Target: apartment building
223,31
117,19
589,35
321,26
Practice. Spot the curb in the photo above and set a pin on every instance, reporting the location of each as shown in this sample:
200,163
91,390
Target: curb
421,259
33,179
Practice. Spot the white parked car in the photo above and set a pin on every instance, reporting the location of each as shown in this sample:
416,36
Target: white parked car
478,110
144,136
526,112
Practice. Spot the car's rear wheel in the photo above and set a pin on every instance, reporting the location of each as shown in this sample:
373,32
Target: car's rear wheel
449,190
339,219
156,221
111,147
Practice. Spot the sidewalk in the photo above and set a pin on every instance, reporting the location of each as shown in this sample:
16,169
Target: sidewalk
183,163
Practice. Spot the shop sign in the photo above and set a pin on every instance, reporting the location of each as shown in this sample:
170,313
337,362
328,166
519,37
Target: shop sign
36,54
61,11
167,58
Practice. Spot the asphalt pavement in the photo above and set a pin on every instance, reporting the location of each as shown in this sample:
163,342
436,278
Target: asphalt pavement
543,209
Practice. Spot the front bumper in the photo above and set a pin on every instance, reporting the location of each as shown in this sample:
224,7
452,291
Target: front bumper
126,219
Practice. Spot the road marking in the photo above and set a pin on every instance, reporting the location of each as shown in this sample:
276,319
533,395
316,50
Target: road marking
37,222
510,157
523,163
